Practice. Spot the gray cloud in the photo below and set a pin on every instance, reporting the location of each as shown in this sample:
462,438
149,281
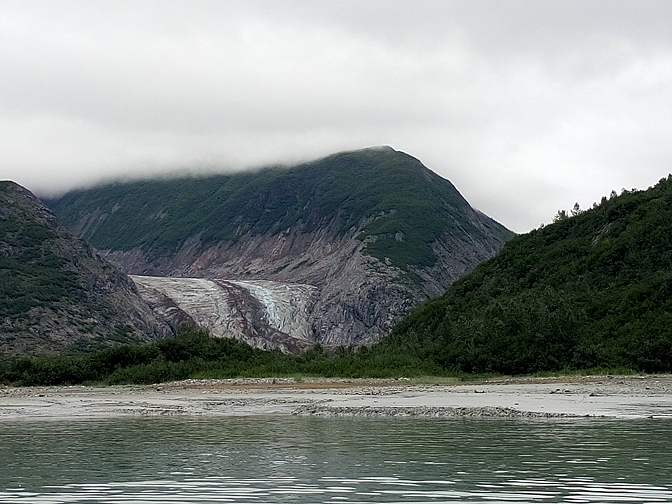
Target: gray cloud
526,106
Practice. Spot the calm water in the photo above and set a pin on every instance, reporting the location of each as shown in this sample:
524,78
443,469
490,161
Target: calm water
312,460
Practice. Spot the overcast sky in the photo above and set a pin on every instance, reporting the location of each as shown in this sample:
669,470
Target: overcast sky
526,106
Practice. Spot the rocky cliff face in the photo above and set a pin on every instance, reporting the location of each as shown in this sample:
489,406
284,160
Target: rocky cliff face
55,290
360,237
354,298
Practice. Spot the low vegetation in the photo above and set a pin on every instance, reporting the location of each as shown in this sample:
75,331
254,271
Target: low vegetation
194,354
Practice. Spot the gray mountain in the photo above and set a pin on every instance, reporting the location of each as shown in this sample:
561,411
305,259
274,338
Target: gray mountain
55,290
357,239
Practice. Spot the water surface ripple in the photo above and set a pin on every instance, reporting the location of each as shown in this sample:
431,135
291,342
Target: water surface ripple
309,460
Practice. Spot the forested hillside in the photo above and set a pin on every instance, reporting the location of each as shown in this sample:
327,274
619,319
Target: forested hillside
590,290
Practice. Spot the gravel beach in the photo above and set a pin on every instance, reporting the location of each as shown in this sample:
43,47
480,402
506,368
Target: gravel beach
587,396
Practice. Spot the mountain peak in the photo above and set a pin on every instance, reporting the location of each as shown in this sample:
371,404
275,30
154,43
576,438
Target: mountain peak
373,229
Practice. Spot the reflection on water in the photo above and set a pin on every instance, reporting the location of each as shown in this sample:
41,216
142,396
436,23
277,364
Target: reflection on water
293,459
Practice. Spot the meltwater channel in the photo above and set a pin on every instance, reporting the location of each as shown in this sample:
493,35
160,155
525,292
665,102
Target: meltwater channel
264,459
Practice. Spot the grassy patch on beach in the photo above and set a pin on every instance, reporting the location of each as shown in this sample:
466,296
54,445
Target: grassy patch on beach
595,371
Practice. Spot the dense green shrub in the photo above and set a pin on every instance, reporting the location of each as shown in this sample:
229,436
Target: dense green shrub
194,354
31,274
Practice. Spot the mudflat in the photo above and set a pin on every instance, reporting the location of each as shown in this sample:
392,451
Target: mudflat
586,396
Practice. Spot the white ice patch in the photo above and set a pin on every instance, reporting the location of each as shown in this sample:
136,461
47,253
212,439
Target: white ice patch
214,307
285,304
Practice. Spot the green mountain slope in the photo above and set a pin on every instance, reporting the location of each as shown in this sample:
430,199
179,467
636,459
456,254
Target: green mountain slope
31,273
54,290
406,205
374,231
592,290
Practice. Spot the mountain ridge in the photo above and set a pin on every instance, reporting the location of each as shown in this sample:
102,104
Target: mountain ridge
374,230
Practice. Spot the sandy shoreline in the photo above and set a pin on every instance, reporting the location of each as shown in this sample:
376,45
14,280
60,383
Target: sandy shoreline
596,396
